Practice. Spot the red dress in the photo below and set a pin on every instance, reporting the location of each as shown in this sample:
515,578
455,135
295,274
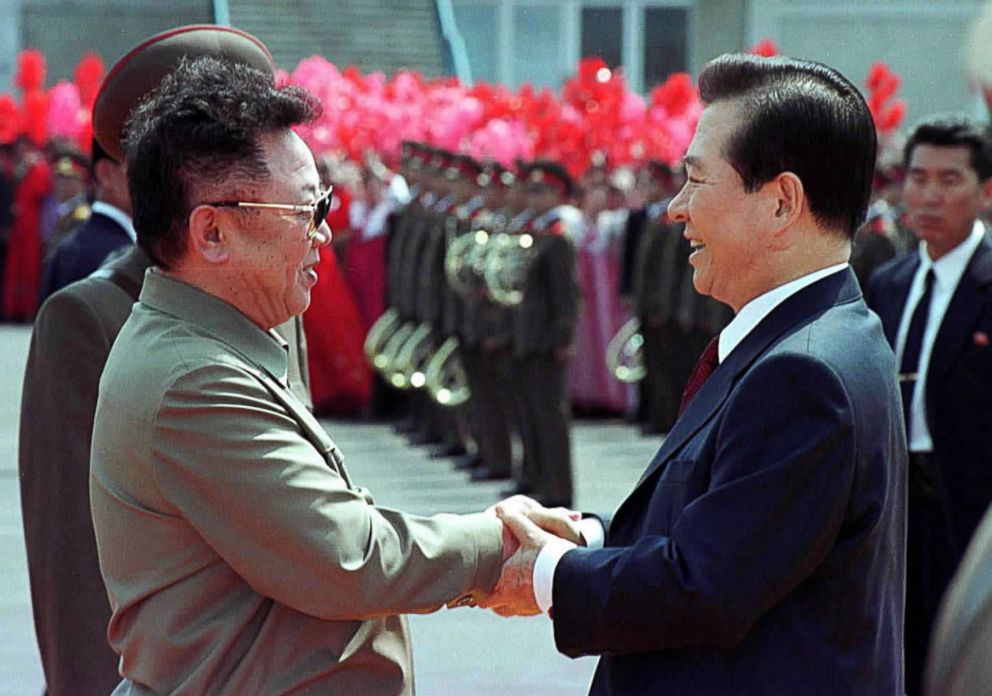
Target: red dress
366,260
340,378
22,272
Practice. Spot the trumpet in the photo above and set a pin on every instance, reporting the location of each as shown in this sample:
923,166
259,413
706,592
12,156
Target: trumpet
445,375
506,265
625,353
384,327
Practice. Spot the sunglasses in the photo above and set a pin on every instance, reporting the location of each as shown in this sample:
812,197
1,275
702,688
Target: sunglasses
318,210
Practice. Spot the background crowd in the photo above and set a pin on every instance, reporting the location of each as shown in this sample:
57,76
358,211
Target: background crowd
621,151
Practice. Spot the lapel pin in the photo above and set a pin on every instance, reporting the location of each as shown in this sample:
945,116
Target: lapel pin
980,338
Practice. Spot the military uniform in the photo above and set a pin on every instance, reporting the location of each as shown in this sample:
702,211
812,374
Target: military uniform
484,339
543,325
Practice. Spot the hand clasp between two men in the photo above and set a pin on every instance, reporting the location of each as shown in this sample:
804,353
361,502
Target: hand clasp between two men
527,528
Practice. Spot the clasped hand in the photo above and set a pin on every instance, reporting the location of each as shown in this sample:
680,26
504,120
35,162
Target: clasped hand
527,528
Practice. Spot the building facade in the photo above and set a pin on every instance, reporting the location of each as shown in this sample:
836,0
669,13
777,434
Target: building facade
532,41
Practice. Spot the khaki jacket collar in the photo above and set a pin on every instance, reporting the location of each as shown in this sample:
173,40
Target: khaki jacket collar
214,316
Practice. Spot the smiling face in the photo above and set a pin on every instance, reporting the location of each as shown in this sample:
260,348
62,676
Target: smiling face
943,196
272,262
727,226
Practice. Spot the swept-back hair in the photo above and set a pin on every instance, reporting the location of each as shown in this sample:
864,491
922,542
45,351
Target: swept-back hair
801,117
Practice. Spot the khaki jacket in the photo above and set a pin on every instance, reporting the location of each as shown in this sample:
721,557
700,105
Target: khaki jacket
239,556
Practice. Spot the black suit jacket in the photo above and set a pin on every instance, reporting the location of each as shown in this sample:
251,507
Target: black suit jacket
959,383
82,252
762,552
631,244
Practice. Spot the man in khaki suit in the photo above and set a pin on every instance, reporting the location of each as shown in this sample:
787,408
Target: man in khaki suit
72,336
238,555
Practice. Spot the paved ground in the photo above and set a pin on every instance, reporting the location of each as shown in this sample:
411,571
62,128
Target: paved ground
459,652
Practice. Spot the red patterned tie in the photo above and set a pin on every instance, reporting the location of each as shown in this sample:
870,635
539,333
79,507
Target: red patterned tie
704,368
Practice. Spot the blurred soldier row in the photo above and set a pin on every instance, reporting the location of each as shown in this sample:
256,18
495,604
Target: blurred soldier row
483,299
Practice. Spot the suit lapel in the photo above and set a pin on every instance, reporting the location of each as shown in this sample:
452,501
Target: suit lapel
800,308
972,291
890,311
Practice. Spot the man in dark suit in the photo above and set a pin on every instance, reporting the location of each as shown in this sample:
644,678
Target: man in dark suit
936,307
107,230
762,550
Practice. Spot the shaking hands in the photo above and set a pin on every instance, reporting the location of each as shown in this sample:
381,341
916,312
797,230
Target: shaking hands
528,527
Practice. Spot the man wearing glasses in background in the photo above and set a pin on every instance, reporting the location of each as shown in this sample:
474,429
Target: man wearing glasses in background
238,555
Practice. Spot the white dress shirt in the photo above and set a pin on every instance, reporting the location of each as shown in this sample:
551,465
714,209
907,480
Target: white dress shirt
736,331
117,215
947,272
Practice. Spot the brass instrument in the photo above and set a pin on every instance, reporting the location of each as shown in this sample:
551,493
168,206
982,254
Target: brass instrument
506,264
411,359
625,353
445,375
385,360
384,327
461,261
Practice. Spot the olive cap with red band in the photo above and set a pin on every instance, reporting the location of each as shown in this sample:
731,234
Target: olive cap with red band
541,173
142,69
462,166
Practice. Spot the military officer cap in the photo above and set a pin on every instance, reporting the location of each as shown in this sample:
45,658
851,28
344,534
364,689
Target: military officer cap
547,173
495,174
69,163
141,71
437,161
464,167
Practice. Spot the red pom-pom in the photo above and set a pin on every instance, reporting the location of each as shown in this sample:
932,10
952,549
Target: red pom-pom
89,75
882,84
893,117
36,116
765,47
10,119
30,69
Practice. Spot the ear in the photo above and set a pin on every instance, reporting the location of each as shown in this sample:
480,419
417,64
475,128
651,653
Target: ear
207,239
789,200
987,193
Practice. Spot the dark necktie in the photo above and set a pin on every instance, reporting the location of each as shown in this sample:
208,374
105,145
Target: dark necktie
914,345
704,368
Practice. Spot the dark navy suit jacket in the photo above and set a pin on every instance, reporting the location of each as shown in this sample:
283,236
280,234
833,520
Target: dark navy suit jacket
959,384
762,551
82,252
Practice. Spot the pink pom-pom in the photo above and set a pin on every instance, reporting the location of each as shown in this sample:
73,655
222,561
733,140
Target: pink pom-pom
66,112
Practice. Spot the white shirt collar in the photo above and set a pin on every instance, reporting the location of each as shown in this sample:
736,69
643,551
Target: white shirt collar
761,306
949,268
117,215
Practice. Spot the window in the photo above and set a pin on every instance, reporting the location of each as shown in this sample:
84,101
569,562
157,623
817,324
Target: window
602,34
666,48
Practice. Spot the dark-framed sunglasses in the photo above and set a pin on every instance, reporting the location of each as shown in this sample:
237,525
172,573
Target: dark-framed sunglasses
318,210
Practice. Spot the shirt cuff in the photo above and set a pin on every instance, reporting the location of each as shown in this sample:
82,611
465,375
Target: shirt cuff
544,571
592,532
